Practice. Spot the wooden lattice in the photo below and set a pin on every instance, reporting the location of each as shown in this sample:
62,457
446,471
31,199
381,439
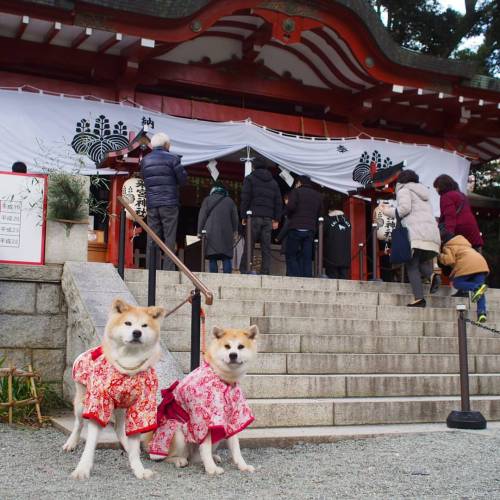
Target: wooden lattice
12,372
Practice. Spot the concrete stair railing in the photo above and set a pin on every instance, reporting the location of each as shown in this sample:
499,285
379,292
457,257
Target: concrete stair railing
340,353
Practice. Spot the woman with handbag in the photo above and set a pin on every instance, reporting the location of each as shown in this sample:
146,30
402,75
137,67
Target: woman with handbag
414,214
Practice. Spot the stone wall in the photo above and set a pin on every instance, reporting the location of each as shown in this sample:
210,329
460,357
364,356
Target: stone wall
33,320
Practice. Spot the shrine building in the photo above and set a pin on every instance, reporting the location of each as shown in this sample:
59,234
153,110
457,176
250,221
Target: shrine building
309,69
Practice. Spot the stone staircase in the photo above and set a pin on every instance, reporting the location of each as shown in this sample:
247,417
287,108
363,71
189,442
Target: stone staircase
340,353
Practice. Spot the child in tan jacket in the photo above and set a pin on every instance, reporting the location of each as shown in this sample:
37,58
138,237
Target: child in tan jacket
469,269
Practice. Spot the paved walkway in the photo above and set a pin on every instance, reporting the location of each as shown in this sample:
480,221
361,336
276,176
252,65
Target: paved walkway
459,464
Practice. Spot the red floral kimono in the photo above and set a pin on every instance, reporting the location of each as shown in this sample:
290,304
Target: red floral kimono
199,404
107,389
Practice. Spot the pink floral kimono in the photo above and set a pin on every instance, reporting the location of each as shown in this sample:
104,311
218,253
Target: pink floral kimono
199,404
107,388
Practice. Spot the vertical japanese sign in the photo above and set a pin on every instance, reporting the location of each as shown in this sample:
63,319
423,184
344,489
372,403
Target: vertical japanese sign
23,205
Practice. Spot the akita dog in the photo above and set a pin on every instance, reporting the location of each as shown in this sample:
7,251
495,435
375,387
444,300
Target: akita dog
118,378
208,405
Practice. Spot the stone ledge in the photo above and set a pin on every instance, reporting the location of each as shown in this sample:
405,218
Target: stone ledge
15,272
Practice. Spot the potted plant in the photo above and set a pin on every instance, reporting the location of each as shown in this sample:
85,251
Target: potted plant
68,199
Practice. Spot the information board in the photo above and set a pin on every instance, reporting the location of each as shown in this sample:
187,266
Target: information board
23,205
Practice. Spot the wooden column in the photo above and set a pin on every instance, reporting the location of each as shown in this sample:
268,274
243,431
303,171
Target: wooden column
114,218
356,213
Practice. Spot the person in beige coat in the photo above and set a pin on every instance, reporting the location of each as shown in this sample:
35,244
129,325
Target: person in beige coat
415,210
469,269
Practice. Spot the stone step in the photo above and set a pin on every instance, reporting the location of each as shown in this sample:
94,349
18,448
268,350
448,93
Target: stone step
376,363
343,326
178,340
362,411
380,385
353,344
169,291
408,344
284,282
318,364
279,437
362,311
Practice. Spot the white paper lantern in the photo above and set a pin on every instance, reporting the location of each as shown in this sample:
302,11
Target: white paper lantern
134,191
385,224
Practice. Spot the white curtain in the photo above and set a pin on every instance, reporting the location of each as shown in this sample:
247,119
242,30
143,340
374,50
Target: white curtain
39,129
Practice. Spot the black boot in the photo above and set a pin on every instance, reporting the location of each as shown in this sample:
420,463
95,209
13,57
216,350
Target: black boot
417,303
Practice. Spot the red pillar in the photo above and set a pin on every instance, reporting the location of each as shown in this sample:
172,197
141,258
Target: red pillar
114,217
356,212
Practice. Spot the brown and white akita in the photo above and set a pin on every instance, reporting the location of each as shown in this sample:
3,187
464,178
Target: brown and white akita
118,378
208,405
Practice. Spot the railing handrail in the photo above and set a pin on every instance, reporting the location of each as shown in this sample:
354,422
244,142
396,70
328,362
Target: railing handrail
207,293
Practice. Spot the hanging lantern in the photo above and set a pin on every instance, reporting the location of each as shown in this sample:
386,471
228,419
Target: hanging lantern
385,224
134,191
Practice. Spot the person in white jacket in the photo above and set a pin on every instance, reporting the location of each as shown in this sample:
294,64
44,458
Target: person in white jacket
415,210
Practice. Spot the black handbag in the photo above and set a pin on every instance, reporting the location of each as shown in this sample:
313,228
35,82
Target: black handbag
400,243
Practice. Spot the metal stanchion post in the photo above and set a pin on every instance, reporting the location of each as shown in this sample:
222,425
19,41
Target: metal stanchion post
121,246
249,243
374,252
316,258
464,419
195,329
321,247
361,257
153,252
203,249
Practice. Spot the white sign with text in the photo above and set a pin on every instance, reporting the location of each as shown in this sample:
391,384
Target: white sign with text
22,218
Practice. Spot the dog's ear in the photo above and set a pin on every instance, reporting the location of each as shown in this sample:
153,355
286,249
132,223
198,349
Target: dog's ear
252,332
120,306
217,332
156,312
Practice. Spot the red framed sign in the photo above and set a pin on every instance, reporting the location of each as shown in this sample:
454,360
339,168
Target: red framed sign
23,211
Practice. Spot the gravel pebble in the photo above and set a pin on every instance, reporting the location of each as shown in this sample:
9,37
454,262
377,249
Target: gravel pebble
461,464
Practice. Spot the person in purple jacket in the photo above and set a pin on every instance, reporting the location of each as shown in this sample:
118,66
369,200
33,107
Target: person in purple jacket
456,214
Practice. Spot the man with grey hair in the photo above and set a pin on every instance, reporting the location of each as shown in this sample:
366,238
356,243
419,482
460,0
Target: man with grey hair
163,174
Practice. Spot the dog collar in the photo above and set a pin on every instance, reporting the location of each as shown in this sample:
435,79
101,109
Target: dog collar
133,368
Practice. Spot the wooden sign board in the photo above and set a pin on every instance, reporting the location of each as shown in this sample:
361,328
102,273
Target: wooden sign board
23,207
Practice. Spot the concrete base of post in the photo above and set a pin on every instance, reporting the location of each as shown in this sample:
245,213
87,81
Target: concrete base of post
466,420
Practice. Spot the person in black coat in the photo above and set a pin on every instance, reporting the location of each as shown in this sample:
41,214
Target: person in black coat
163,174
337,256
303,209
219,218
260,194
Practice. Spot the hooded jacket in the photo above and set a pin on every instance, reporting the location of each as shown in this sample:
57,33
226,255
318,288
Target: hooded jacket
415,210
163,174
459,254
261,194
457,217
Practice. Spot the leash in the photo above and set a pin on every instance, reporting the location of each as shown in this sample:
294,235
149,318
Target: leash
202,319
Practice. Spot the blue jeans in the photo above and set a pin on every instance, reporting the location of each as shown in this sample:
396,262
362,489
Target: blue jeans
470,283
227,265
299,251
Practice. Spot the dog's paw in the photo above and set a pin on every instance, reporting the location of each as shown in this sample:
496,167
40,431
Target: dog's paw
181,462
217,459
143,474
81,472
214,470
70,445
245,467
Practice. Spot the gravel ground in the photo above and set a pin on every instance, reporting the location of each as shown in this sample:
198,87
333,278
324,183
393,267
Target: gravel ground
462,464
